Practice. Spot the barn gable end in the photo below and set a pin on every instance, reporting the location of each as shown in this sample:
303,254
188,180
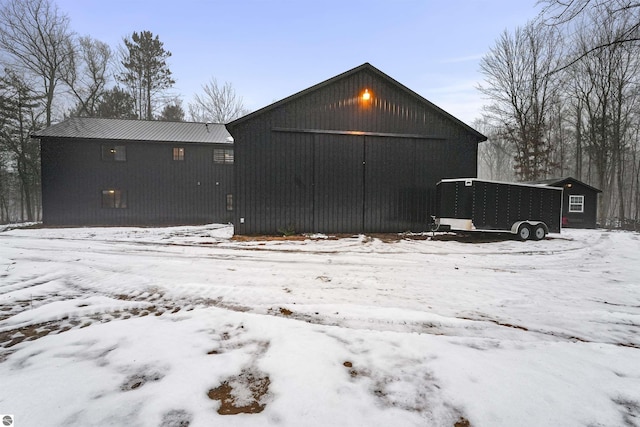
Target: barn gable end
329,159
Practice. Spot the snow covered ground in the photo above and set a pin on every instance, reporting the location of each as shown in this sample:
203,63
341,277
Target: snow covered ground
185,326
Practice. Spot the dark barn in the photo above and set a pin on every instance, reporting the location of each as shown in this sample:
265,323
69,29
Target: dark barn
359,152
579,202
132,172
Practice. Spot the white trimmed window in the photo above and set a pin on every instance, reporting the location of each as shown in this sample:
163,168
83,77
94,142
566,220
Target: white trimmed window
576,203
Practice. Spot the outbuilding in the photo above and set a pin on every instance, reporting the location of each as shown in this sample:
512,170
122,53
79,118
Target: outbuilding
579,202
359,152
133,172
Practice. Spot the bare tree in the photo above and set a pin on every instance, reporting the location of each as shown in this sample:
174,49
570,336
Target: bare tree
564,13
521,89
18,119
219,104
560,136
87,74
37,38
604,84
495,156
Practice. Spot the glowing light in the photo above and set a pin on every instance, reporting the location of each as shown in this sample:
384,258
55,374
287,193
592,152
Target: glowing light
366,95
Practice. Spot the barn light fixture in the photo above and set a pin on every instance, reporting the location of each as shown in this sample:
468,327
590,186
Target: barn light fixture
366,95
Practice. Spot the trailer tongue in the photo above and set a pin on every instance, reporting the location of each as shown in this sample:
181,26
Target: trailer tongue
526,210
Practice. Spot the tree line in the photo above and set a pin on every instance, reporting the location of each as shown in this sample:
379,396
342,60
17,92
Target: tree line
562,100
48,72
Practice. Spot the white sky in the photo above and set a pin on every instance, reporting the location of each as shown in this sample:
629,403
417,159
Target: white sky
269,50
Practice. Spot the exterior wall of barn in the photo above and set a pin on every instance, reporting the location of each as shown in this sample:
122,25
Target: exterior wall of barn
329,161
81,187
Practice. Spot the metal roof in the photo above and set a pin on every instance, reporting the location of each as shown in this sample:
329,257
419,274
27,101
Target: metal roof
137,130
564,180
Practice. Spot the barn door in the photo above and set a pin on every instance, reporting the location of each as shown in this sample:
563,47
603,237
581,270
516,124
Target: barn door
391,199
339,181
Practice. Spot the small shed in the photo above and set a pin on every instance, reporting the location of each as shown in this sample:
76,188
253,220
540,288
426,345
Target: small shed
358,152
579,202
135,172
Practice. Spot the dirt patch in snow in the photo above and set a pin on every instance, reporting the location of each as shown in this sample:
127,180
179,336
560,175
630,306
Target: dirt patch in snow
246,393
11,337
285,311
385,237
462,422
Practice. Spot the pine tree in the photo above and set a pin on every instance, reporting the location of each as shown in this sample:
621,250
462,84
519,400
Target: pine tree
146,73
117,104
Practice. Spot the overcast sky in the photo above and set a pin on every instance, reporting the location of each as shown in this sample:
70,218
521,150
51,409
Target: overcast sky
269,50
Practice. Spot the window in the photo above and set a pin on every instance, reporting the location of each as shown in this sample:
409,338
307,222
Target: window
114,199
114,153
178,153
229,202
223,156
576,203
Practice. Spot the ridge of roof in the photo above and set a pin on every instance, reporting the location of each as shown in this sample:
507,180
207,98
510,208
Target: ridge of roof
552,181
137,130
365,66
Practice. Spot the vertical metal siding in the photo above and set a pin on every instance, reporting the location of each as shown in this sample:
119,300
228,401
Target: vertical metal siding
392,196
159,189
586,219
338,183
346,183
291,203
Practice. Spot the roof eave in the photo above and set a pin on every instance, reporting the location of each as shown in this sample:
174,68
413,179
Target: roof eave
231,125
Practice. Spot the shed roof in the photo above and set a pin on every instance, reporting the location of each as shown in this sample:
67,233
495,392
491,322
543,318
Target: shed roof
137,130
366,66
560,182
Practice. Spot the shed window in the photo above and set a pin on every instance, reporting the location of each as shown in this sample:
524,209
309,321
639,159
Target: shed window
178,153
576,203
114,199
229,202
223,156
114,153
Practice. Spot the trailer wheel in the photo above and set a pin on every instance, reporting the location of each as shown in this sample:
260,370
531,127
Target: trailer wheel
524,232
539,232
